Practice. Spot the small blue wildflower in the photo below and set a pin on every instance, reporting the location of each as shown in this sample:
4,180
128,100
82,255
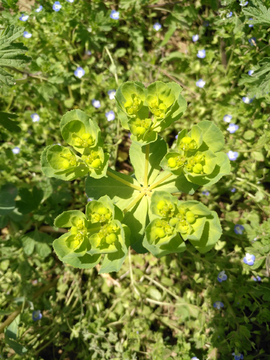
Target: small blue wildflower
222,276
233,190
232,128
16,150
243,2
229,15
252,41
89,199
206,193
26,34
110,115
232,155
206,23
249,259
39,8
36,315
200,83
96,103
176,137
250,25
111,94
239,229
35,117
238,356
194,358
79,72
195,38
57,6
250,72
201,54
256,278
24,17
218,305
70,1
114,15
88,52
247,100
227,118
157,26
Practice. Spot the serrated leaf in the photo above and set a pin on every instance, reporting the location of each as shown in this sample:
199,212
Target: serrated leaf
8,192
7,123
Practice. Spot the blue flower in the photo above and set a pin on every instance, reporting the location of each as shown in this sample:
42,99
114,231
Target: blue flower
233,190
252,41
157,26
111,94
249,259
16,150
24,17
206,193
57,6
232,128
239,229
257,278
36,315
35,117
70,1
194,358
229,15
243,2
114,15
89,199
227,118
200,83
218,305
79,72
206,23
88,52
222,276
26,34
247,100
250,25
96,103
238,356
195,38
232,155
110,115
250,72
201,54
39,8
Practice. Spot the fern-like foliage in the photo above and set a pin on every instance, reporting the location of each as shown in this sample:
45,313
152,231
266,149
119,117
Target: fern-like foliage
259,13
11,54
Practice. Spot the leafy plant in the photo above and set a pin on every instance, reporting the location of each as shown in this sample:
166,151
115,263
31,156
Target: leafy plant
157,221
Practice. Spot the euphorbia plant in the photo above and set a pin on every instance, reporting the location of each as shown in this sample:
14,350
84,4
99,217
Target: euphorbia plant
141,210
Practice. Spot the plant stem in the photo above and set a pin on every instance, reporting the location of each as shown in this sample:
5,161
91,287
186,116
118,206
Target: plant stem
160,181
115,73
145,181
131,274
134,202
116,177
161,286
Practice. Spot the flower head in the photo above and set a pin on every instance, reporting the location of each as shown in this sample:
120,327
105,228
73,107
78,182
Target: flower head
79,72
250,25
70,1
201,54
218,305
232,128
249,259
247,100
111,94
26,34
35,117
39,8
200,83
36,315
256,278
250,72
206,193
88,52
238,356
222,276
243,2
206,23
114,15
24,17
96,103
195,38
194,358
239,229
227,118
157,26
57,6
252,41
232,155
16,150
110,115
229,14
233,190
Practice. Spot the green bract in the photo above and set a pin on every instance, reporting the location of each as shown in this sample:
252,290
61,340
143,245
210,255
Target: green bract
141,204
83,134
92,234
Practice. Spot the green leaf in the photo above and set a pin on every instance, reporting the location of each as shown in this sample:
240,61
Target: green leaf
38,242
258,156
67,218
7,123
168,34
174,183
8,192
260,14
30,200
212,136
11,55
156,150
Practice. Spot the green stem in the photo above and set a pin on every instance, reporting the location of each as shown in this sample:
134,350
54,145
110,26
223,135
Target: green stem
131,274
116,177
145,181
134,202
115,73
162,287
253,185
160,181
